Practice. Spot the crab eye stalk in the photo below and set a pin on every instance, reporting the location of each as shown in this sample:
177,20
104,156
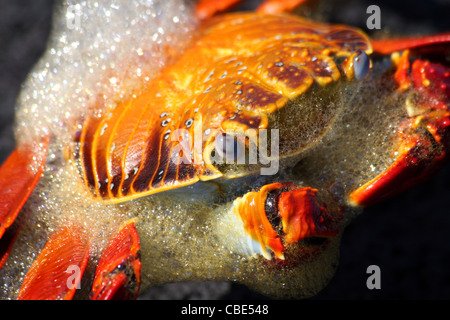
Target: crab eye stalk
361,64
356,66
228,148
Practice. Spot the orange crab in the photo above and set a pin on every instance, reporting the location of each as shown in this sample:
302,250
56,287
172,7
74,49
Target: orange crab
193,129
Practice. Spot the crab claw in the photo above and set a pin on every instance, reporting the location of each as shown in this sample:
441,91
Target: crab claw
118,272
56,273
279,215
424,138
301,216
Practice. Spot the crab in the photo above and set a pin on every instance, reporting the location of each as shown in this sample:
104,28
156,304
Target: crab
243,159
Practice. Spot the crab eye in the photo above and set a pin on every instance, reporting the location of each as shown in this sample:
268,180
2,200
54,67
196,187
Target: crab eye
228,148
361,64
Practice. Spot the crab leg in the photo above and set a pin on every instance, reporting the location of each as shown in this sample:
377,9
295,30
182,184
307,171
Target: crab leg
418,160
387,46
18,179
208,8
278,6
56,273
424,139
119,269
6,244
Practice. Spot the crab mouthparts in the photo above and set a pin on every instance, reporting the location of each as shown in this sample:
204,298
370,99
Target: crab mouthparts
279,215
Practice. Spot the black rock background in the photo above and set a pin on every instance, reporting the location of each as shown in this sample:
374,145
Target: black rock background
408,237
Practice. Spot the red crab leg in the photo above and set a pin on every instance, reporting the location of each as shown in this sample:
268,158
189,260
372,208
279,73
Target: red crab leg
278,6
56,273
119,269
424,139
417,162
18,181
6,244
387,46
208,8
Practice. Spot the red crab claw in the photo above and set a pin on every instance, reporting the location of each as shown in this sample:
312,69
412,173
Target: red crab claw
118,272
57,271
208,8
279,215
424,138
